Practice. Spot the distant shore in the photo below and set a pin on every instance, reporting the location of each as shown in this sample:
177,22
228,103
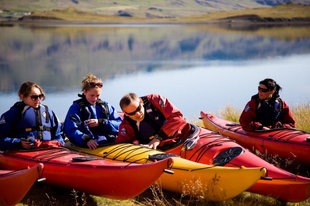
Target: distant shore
286,14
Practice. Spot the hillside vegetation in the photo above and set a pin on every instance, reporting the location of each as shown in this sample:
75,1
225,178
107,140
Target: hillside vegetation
199,10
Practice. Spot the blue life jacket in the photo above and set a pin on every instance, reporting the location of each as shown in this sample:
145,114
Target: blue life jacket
151,124
104,133
23,121
33,122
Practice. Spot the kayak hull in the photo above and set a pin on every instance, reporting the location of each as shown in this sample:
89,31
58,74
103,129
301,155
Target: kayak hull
286,143
189,178
97,177
14,185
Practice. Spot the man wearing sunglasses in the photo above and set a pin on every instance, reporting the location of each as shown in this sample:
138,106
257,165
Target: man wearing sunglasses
266,110
151,120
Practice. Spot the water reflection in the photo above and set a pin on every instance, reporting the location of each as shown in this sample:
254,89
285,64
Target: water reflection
197,67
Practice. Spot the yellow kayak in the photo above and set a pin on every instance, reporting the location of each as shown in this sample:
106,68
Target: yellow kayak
214,183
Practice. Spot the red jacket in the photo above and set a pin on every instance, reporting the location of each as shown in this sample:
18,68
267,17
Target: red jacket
249,121
175,126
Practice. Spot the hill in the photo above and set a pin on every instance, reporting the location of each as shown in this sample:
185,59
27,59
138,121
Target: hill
137,8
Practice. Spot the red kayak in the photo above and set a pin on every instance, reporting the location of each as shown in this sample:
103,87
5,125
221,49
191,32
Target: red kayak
14,185
285,142
91,175
212,148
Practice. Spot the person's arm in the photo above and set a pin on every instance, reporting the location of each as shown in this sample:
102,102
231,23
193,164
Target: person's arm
248,117
57,134
286,117
175,121
126,133
8,121
73,128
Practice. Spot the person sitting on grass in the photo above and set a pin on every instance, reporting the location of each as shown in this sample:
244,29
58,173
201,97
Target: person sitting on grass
266,110
91,122
28,124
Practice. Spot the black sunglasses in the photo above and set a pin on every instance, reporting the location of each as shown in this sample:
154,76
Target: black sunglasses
35,97
94,84
262,89
134,112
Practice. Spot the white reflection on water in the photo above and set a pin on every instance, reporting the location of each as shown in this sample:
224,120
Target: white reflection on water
209,88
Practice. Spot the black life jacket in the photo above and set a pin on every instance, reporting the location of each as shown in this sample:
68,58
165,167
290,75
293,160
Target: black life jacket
39,128
151,124
85,112
268,111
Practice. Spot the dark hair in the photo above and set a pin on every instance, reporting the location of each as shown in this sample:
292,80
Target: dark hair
127,99
271,85
26,87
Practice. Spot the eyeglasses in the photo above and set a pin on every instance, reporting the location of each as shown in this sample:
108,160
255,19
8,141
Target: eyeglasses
35,97
94,84
134,112
262,89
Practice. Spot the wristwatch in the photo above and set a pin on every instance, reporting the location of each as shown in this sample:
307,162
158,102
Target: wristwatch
156,136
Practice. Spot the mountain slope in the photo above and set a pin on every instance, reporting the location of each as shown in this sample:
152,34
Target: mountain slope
141,8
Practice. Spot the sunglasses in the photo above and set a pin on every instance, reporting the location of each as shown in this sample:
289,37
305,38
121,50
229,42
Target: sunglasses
134,112
35,97
262,89
94,84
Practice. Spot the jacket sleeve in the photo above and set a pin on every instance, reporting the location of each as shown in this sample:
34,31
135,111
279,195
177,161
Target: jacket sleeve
175,121
73,129
7,122
126,133
286,117
112,124
248,117
57,129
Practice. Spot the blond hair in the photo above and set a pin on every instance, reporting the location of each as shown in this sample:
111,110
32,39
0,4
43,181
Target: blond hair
91,81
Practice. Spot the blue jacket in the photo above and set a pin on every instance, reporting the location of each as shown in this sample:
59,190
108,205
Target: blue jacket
21,121
79,133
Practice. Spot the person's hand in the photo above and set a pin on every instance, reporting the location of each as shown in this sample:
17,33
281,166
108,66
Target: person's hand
92,122
265,128
152,144
92,144
26,144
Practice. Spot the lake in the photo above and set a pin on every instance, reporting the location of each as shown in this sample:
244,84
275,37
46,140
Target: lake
197,67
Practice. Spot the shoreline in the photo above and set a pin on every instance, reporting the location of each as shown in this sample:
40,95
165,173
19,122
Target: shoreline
240,21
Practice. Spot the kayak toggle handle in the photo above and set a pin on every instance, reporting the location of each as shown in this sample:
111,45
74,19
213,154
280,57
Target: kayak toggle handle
266,178
169,171
41,179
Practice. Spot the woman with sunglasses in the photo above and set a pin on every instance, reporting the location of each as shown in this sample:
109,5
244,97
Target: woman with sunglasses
266,110
91,122
29,124
152,121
